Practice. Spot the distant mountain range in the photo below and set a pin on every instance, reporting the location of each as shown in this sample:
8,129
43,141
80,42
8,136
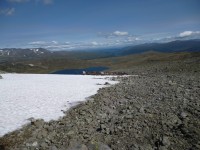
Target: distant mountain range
39,60
32,52
175,46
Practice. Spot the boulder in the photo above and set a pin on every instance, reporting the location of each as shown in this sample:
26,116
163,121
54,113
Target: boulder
1,77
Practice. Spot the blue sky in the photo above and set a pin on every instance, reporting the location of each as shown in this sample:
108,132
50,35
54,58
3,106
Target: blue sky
80,24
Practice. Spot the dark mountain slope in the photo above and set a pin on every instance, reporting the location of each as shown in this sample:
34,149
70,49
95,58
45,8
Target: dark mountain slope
175,46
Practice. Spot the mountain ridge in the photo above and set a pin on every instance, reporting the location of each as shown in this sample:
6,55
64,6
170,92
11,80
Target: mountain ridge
174,46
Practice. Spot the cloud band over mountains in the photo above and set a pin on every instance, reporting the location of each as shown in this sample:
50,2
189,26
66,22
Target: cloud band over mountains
122,39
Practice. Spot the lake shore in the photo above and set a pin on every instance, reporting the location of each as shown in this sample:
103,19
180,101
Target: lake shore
156,109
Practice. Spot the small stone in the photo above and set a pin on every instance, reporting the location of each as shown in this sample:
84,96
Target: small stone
82,113
119,127
35,144
53,148
78,147
89,120
28,144
163,148
165,141
129,107
70,133
141,110
183,115
44,145
103,126
106,83
52,134
38,123
107,131
170,82
44,133
98,146
129,116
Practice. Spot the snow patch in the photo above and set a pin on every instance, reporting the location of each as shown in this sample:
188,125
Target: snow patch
23,96
31,65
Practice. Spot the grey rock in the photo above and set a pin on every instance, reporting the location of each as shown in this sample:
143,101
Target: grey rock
165,141
107,83
129,116
141,110
170,82
43,145
103,126
44,133
163,148
89,120
172,120
183,115
28,144
78,147
98,146
38,123
35,144
53,148
70,133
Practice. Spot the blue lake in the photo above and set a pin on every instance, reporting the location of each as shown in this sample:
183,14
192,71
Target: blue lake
80,71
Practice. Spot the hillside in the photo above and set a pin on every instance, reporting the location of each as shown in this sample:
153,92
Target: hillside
174,46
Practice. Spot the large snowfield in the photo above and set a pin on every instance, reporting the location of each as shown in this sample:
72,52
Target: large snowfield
23,96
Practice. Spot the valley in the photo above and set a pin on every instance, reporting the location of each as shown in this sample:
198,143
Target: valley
44,61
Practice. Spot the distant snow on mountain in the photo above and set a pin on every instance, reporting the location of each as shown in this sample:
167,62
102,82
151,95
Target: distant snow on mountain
32,52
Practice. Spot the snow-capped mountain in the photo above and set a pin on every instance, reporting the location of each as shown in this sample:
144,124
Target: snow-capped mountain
32,52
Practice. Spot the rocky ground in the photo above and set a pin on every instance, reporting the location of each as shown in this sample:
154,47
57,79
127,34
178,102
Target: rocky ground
158,108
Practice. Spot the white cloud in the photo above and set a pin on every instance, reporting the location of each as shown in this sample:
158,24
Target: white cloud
188,33
95,43
120,33
7,11
115,34
132,39
98,43
137,39
54,42
37,43
185,33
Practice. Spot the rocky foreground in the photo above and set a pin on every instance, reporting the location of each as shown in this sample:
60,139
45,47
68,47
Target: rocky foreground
158,108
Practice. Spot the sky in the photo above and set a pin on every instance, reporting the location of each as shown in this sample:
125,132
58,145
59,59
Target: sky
83,24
